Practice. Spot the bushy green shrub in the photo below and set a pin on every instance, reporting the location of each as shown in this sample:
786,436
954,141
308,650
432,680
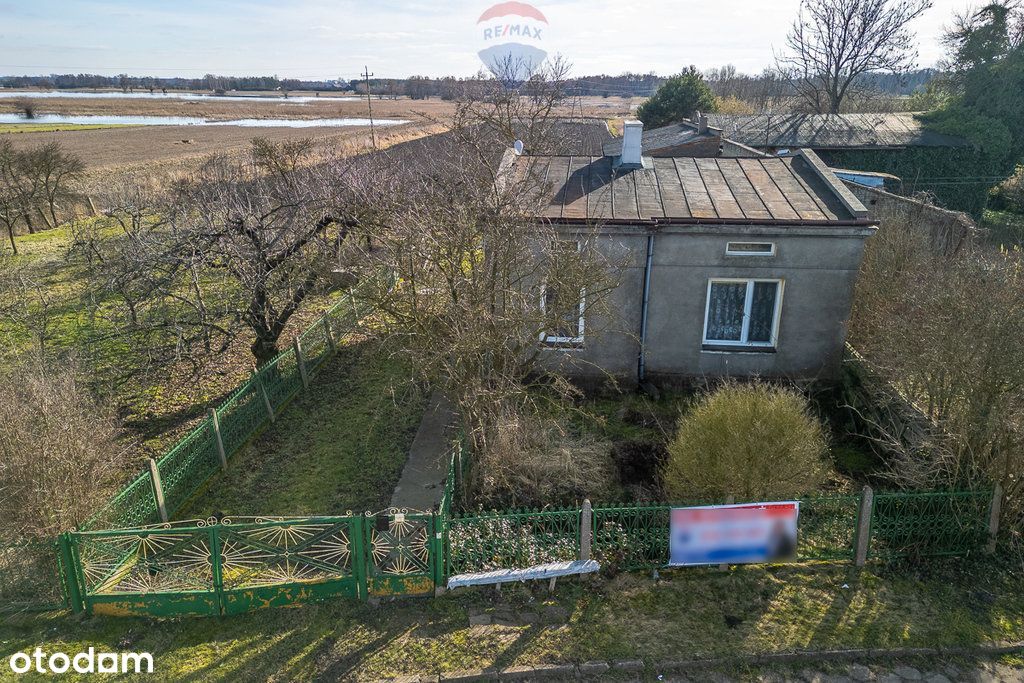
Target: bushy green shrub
754,441
677,99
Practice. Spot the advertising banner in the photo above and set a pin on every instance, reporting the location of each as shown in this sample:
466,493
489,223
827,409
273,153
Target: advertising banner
733,534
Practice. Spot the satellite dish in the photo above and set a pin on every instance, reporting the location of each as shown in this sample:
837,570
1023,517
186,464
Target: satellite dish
518,146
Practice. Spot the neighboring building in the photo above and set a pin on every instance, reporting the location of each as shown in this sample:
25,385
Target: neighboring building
730,266
830,132
686,139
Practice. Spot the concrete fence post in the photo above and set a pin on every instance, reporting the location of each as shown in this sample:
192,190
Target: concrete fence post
586,530
863,536
266,401
330,334
355,309
729,500
158,489
297,345
221,453
993,518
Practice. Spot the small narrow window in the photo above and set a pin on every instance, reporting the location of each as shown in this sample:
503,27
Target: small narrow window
750,249
742,313
562,309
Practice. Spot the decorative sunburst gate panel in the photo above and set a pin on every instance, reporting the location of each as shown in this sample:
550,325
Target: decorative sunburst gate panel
403,552
220,567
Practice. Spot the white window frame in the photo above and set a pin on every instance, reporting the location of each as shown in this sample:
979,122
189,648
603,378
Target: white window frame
730,251
561,341
554,340
747,304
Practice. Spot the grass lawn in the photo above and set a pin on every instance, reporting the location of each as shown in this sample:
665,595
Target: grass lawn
51,127
158,404
687,614
339,446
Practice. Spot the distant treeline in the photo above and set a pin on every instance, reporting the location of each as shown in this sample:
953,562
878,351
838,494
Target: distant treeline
208,82
725,81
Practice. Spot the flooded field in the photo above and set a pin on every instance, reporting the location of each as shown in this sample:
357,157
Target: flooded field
134,120
189,96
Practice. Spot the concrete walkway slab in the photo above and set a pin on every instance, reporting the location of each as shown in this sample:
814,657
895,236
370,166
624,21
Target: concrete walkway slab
422,483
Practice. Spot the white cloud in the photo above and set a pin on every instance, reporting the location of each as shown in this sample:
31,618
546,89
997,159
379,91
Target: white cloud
325,38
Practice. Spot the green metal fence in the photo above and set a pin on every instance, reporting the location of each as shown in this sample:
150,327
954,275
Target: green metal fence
636,536
230,566
209,567
512,539
31,572
929,524
191,463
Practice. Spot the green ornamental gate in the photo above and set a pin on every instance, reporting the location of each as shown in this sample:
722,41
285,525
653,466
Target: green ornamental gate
229,566
404,553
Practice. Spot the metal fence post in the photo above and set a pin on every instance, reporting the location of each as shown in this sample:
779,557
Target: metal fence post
158,489
297,345
862,538
69,573
330,334
586,530
993,518
437,552
221,454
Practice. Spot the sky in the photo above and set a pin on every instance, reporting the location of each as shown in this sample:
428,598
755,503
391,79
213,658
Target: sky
324,39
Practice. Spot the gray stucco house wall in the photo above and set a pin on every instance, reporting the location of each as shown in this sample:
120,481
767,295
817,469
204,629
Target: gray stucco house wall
776,243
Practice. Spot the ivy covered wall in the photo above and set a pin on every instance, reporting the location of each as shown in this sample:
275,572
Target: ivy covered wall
958,177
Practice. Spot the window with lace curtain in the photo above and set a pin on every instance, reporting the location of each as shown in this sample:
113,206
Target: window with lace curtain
742,312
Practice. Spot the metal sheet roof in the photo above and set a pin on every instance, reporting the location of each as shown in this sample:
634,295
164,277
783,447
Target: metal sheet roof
831,131
769,190
665,137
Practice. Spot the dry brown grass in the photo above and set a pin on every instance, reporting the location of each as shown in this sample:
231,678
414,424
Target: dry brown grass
535,461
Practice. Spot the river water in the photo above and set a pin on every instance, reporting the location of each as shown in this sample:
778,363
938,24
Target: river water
114,119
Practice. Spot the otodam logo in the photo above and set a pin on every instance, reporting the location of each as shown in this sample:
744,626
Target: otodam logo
512,38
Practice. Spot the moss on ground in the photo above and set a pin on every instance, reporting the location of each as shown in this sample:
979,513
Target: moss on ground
693,613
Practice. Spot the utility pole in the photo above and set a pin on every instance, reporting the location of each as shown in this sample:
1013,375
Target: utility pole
369,105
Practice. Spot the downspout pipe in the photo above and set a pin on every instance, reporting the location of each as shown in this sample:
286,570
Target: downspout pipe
641,370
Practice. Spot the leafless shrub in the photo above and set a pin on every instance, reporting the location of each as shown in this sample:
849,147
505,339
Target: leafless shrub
535,461
479,278
26,106
59,450
946,329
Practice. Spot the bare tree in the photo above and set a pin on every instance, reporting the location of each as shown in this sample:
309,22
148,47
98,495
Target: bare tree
480,280
834,43
232,249
39,180
56,172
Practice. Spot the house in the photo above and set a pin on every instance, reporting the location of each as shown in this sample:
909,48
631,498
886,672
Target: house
686,139
729,266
